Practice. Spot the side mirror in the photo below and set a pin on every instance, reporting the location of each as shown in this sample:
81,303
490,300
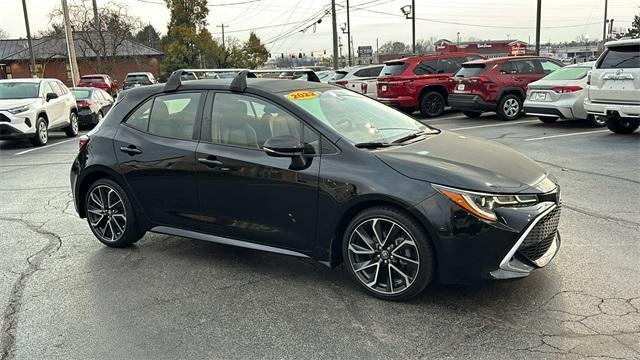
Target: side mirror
51,96
283,146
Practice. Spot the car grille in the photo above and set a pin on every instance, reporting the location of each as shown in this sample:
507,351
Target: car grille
4,118
541,236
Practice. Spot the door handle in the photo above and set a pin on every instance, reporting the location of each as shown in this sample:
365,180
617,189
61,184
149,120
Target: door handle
131,150
211,163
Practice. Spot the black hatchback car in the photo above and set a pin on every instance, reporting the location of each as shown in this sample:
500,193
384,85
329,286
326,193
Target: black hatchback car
312,170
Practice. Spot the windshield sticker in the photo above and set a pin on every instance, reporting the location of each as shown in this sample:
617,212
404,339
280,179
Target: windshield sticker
302,95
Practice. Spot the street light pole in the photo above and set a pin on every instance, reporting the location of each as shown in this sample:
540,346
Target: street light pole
335,34
604,24
538,21
26,23
413,25
348,34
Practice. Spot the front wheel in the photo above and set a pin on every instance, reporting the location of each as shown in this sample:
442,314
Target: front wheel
110,215
510,107
548,119
622,125
432,104
41,136
388,254
72,129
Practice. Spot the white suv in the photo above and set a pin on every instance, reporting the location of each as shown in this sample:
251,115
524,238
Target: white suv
29,108
361,79
613,88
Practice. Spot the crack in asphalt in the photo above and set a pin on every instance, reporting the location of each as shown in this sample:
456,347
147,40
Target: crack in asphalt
589,172
11,312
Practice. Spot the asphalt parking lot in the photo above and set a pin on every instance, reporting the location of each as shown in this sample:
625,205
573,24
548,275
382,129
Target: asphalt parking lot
64,295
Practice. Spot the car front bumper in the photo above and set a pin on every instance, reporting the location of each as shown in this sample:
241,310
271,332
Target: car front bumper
21,125
612,110
466,102
469,250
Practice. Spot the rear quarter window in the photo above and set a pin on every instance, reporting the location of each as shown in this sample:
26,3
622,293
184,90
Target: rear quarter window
621,57
470,70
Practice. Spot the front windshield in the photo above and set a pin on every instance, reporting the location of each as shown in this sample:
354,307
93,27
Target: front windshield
569,73
18,90
357,118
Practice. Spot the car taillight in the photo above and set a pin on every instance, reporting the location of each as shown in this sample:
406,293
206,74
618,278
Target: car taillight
84,103
342,82
566,89
364,87
481,80
83,141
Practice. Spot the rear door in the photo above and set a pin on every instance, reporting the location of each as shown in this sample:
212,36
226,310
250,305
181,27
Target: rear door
616,77
156,154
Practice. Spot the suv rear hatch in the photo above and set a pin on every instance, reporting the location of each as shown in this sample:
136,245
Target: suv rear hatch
616,77
469,79
391,83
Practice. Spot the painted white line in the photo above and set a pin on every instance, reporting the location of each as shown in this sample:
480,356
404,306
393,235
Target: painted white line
429,120
563,135
45,147
492,125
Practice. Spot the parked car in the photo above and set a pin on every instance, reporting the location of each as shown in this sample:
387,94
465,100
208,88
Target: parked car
420,82
359,79
613,92
325,75
561,95
337,176
100,81
92,103
138,79
498,84
30,108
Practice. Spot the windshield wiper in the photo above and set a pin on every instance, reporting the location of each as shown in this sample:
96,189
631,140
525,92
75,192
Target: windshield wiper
409,137
373,145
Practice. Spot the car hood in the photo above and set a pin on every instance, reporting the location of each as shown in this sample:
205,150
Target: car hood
468,163
6,104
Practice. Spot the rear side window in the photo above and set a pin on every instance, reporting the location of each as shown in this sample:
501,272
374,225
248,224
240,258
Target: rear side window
526,67
174,115
470,70
369,72
394,68
620,57
427,67
140,118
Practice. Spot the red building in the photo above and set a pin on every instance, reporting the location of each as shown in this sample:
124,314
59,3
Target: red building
489,48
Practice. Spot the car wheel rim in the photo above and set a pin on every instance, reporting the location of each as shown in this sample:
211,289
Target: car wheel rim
383,256
433,104
42,132
600,121
511,107
74,123
99,117
106,213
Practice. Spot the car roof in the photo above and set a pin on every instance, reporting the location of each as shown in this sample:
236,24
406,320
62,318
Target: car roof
139,73
505,58
432,56
623,42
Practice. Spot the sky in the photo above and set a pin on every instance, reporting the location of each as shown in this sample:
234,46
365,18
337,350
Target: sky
277,21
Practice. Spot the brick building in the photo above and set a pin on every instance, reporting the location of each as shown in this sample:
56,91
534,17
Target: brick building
52,59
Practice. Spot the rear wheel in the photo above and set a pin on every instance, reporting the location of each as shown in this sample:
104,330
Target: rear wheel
72,129
472,114
597,121
388,254
42,133
622,125
509,107
432,104
548,119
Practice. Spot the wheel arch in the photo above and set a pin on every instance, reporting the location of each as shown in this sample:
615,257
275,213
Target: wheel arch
44,115
89,178
438,88
512,90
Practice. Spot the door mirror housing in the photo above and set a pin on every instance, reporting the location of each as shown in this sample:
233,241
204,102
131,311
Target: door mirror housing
51,96
283,146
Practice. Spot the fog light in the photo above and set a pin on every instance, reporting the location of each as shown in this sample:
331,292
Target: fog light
27,121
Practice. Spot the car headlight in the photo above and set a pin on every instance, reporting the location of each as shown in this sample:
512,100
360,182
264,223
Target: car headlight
484,205
19,109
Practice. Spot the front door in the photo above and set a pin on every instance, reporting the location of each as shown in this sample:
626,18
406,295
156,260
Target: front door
156,154
246,194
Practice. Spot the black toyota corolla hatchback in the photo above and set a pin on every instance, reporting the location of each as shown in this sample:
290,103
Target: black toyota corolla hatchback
312,170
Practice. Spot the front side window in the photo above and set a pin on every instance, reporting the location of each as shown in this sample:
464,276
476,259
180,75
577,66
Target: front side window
247,121
526,67
174,115
19,90
621,57
355,117
56,88
470,70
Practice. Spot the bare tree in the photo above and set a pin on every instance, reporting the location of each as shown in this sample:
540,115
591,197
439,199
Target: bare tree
100,48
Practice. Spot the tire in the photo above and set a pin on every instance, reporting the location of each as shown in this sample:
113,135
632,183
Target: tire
597,121
548,119
509,107
472,114
623,125
72,129
110,215
41,136
369,265
432,104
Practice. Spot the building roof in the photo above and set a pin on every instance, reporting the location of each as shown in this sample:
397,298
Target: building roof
55,47
508,41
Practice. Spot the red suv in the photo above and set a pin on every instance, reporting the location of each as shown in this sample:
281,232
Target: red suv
498,84
420,82
100,81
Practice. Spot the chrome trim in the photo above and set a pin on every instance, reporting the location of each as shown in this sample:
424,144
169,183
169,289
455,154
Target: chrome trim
505,264
222,240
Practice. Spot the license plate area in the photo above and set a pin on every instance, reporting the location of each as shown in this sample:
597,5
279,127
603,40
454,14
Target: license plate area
460,87
539,96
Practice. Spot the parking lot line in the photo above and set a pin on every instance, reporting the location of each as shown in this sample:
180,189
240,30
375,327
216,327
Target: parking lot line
492,125
44,147
444,118
563,135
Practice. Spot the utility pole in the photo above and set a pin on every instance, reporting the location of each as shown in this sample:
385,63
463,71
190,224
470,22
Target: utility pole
604,24
538,21
611,29
335,34
377,52
73,63
26,23
413,25
348,34
96,19
222,26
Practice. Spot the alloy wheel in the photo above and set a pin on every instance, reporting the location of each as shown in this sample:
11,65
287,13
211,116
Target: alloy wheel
106,212
383,256
74,123
433,104
511,107
42,132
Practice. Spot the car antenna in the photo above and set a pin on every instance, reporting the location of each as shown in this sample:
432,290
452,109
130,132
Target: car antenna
175,81
239,83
